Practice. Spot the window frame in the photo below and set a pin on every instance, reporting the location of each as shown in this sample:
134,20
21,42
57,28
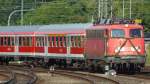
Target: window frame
118,36
25,41
41,41
135,36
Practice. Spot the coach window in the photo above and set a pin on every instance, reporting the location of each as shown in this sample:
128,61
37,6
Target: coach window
40,41
53,41
82,41
78,41
2,41
57,41
64,42
117,33
5,41
72,41
50,42
20,41
61,38
135,33
25,41
12,41
8,41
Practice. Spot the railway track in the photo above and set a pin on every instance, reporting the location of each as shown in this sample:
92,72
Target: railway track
95,79
23,76
141,75
6,76
119,79
89,78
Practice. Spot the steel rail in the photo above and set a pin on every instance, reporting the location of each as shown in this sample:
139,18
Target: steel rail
12,78
89,77
25,72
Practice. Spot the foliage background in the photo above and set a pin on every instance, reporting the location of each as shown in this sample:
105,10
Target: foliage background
148,55
69,11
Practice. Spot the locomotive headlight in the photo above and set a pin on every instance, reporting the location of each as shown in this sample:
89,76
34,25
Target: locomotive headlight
117,49
126,25
137,48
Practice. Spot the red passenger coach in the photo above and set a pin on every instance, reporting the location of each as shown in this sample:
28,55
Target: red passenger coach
47,41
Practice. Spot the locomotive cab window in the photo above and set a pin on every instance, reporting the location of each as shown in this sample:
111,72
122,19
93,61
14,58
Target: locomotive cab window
117,33
135,33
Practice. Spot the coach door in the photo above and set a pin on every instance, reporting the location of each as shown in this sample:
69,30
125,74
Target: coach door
40,42
57,45
26,45
76,45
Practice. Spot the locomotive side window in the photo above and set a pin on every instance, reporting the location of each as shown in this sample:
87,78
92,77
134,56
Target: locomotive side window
90,34
117,33
39,41
25,41
135,33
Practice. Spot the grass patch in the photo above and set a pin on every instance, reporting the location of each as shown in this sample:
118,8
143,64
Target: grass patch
148,55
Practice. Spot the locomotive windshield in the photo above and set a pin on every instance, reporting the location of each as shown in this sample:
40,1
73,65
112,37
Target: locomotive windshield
135,33
118,33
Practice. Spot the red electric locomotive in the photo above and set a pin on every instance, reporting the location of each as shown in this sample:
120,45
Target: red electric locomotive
121,46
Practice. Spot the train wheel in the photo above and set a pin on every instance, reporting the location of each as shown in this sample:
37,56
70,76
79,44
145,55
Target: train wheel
132,68
118,68
124,68
138,69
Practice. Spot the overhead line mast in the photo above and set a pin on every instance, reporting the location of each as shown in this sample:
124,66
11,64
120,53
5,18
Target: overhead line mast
105,9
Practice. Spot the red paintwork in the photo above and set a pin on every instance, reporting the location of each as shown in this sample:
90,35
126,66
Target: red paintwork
26,49
59,50
39,49
118,42
31,49
7,48
75,50
95,47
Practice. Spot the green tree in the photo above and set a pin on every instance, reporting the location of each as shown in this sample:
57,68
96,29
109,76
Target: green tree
64,11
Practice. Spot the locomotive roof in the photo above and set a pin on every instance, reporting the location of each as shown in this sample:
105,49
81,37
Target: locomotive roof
45,29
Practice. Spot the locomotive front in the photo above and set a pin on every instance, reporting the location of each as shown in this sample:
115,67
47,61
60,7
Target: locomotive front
121,46
126,49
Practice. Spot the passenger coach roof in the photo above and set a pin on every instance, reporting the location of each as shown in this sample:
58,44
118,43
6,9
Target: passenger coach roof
45,29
